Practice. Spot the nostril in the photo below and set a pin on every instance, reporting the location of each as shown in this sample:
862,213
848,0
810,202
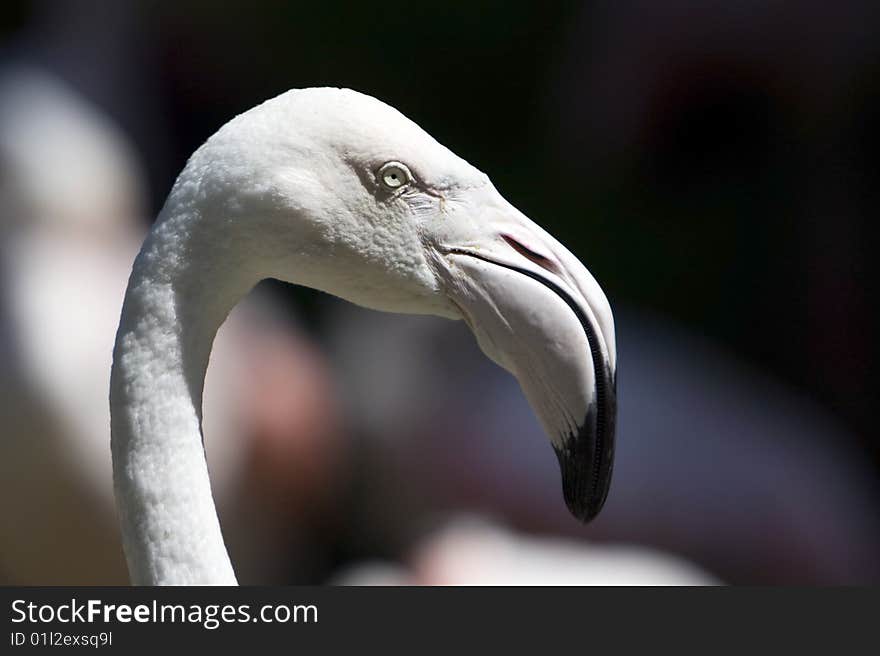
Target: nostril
528,253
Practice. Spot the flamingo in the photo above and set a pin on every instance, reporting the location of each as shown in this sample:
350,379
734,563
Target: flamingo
335,190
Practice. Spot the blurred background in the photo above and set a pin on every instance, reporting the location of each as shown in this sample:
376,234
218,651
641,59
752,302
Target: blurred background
712,163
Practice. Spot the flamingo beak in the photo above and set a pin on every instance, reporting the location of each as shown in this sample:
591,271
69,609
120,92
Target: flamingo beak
537,312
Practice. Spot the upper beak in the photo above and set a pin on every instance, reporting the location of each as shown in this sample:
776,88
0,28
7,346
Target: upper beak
537,311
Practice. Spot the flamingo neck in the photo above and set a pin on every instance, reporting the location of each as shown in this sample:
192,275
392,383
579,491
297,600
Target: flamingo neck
179,293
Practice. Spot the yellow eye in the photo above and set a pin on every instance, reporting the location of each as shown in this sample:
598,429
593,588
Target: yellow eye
394,175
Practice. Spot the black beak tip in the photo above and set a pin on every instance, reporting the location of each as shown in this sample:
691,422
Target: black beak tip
586,475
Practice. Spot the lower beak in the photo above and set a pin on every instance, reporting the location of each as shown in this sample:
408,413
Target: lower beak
537,312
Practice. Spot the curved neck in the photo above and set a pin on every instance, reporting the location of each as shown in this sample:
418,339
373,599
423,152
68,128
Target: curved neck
178,296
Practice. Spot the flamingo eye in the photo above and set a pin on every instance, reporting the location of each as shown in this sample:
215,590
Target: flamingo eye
394,175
